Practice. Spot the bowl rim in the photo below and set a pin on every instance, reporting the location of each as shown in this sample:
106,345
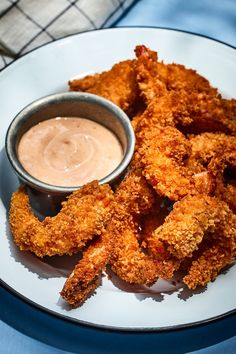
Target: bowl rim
35,106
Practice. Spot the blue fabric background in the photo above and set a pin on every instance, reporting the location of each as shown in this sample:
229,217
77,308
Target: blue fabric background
214,18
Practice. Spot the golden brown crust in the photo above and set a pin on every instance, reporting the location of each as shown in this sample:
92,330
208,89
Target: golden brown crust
86,275
117,84
211,114
162,153
170,97
185,149
128,261
193,218
215,153
133,197
82,216
178,96
209,264
177,77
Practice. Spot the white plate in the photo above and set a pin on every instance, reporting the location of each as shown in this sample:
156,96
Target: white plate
47,70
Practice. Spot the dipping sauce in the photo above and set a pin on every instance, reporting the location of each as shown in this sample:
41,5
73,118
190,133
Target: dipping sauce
69,151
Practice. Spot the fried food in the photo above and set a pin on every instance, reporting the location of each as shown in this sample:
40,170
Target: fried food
227,192
140,242
161,77
211,114
133,197
192,219
169,110
216,153
150,84
118,85
191,103
179,78
217,251
208,266
85,278
207,147
81,218
162,153
168,264
174,209
163,107
128,260
199,232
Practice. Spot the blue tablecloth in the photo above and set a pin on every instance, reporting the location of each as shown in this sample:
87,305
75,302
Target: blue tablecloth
216,19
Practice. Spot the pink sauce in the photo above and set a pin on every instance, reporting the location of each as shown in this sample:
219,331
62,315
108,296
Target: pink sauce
69,151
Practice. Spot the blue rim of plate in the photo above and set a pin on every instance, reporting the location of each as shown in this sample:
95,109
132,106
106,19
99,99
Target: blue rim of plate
106,327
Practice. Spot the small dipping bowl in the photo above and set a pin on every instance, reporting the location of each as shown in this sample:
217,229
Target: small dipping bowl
69,104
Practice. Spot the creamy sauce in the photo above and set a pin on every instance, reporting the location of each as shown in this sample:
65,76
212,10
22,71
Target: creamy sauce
69,151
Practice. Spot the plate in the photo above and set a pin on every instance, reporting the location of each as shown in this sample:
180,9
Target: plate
115,306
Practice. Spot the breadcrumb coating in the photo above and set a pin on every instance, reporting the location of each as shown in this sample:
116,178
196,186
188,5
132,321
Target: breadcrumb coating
208,266
117,85
198,235
81,218
208,146
85,278
128,261
159,77
216,153
178,96
192,219
168,263
175,208
162,153
133,197
211,114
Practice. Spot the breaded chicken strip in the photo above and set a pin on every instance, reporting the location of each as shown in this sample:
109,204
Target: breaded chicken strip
169,109
117,244
81,218
128,260
85,278
150,83
187,101
134,198
177,77
216,152
211,149
164,107
162,152
217,251
158,77
189,112
169,264
192,219
209,264
134,195
117,84
211,114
